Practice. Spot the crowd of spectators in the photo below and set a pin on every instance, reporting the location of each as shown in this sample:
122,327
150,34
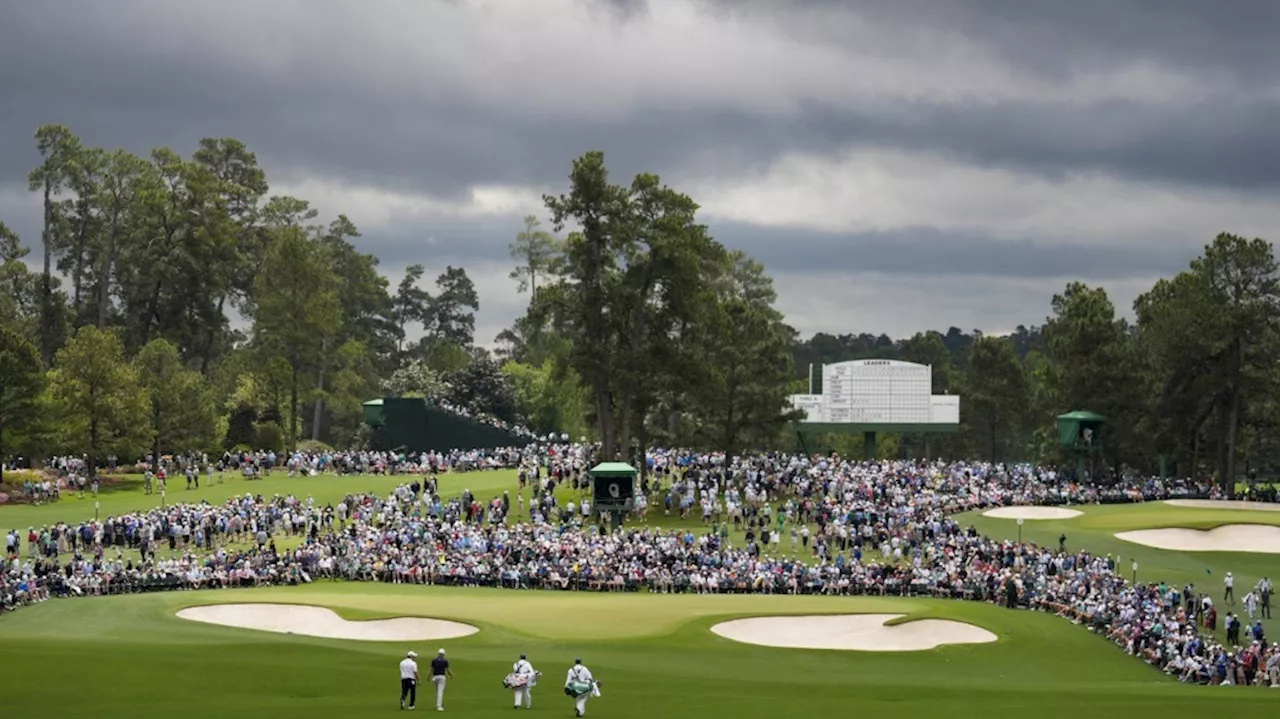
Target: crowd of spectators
800,526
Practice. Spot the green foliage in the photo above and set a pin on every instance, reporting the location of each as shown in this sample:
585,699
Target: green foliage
183,413
740,360
482,388
311,446
297,310
416,379
995,388
103,405
534,249
269,436
21,385
547,401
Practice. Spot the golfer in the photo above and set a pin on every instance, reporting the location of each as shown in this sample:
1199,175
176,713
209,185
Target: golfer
409,680
439,673
580,685
524,678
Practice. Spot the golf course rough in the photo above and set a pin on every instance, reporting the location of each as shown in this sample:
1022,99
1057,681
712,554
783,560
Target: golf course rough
1031,513
325,623
852,632
1253,538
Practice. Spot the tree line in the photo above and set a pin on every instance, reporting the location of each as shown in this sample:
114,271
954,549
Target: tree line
180,306
1192,380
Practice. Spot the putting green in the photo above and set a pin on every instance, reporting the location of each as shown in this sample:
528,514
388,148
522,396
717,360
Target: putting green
1097,528
132,656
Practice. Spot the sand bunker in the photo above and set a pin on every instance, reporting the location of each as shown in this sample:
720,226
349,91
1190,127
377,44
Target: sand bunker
1031,513
1256,538
858,632
321,622
1225,504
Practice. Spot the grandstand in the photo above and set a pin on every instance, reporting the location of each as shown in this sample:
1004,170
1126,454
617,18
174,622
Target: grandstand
411,424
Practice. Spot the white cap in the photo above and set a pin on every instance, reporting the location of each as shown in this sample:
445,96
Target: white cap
441,651
412,654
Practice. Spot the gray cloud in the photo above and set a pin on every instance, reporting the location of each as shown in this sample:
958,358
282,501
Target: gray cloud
347,98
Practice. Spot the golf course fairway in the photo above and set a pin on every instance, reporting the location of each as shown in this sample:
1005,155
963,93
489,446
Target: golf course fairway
131,656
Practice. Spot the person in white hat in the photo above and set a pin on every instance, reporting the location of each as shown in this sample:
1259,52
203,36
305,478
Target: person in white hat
580,685
521,680
439,673
409,680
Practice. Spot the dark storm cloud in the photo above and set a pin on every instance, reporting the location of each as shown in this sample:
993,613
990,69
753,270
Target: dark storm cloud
1235,39
123,88
116,94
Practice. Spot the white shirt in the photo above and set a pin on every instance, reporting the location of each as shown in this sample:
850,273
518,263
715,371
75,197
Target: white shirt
408,669
578,673
1229,580
522,667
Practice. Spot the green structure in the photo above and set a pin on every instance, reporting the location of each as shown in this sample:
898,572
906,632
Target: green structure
1083,434
410,424
613,490
869,431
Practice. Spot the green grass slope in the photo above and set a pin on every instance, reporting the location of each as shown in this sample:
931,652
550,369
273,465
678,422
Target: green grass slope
130,656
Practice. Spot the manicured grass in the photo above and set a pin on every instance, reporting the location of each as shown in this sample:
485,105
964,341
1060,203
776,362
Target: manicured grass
130,656
1095,531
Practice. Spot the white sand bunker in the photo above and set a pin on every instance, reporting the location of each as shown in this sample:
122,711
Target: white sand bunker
857,632
1256,538
1031,513
321,622
1225,504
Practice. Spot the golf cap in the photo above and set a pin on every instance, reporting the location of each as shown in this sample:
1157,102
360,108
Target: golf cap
441,651
412,654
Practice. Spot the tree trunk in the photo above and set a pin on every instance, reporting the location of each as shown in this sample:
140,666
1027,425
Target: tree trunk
206,357
1220,441
318,411
642,435
155,443
293,407
46,286
1233,418
604,415
104,282
625,414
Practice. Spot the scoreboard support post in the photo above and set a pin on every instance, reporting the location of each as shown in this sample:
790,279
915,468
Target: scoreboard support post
613,490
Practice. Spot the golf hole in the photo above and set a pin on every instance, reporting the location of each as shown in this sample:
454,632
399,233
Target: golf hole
321,622
1031,513
1253,538
852,632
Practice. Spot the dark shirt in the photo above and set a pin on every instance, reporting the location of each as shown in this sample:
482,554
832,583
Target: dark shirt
438,666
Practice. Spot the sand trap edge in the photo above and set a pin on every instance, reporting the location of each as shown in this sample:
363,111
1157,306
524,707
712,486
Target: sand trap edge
324,623
1232,538
1032,513
852,632
1238,505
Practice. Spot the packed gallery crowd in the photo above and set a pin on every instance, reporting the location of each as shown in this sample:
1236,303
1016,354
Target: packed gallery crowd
771,524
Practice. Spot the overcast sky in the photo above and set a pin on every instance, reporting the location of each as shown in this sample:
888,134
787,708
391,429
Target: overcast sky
897,165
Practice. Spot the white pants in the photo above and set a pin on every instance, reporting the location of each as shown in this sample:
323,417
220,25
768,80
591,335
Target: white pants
581,703
439,680
525,694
